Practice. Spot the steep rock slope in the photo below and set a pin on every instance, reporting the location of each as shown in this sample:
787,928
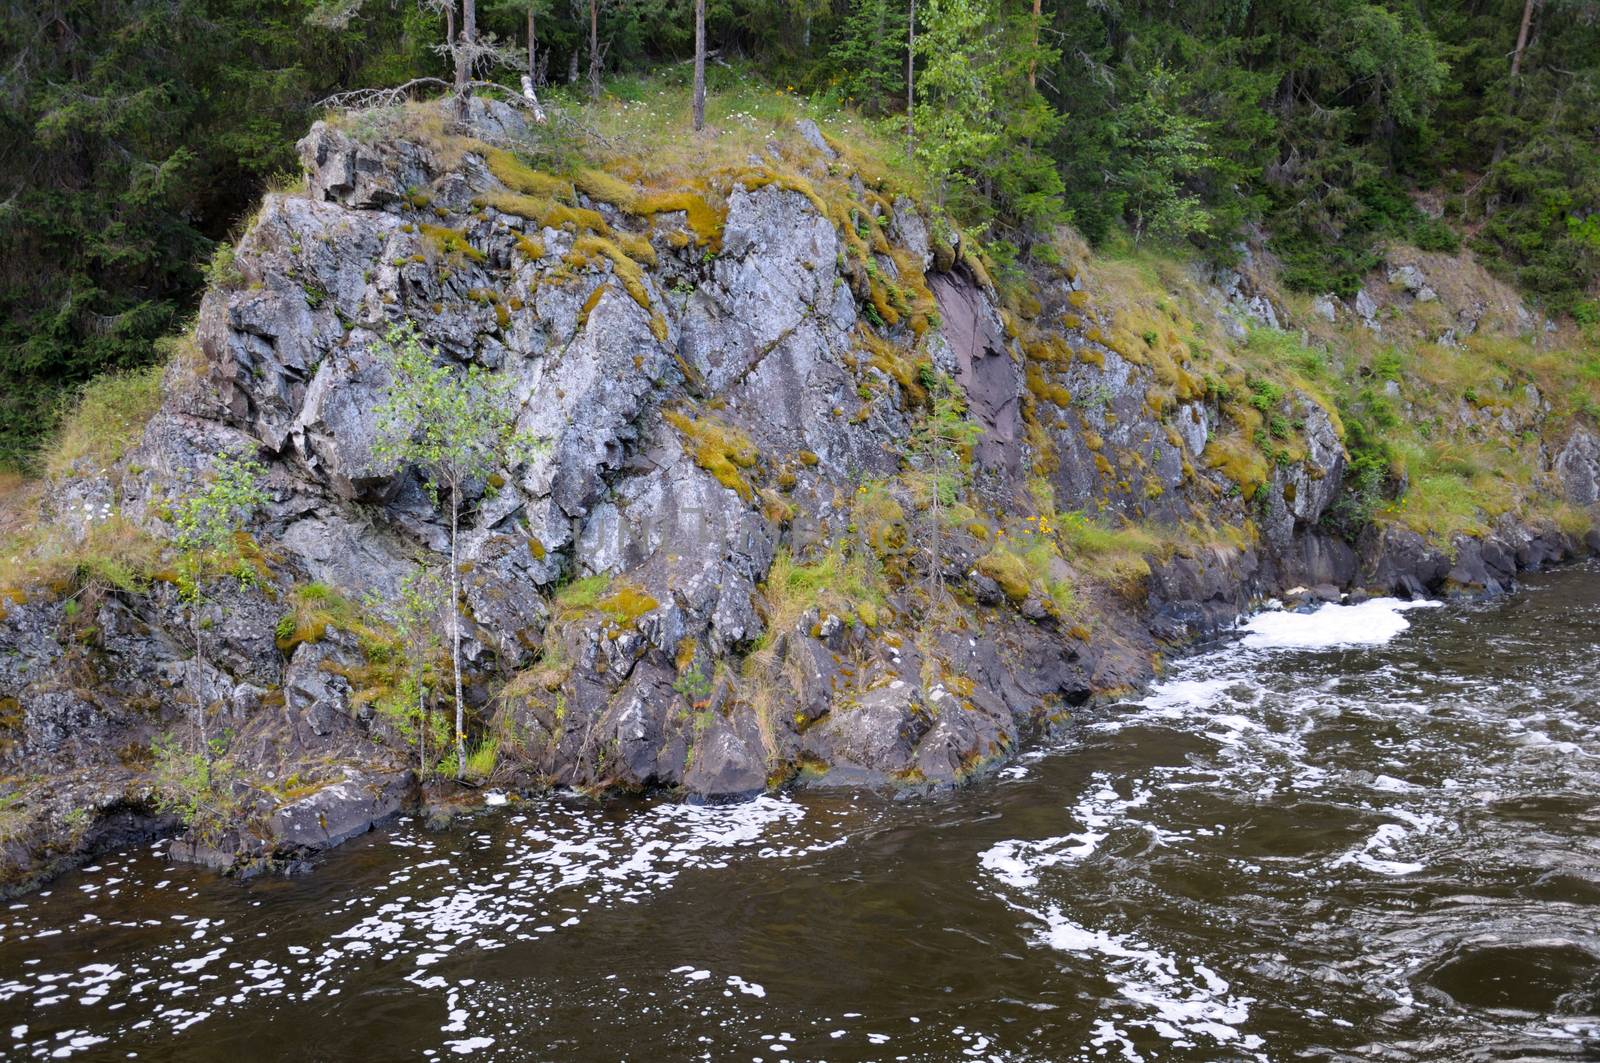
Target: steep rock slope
719,574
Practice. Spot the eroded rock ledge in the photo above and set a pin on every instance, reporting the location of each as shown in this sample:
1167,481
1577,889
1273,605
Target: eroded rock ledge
729,377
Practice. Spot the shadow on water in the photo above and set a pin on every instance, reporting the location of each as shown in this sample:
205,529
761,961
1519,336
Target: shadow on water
1386,852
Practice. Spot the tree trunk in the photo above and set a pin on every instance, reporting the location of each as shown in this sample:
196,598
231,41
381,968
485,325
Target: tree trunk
200,706
455,633
699,65
1033,64
594,49
1516,72
1522,39
464,49
450,25
911,79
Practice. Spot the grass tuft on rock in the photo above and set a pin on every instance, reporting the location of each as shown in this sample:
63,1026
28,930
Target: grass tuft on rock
720,449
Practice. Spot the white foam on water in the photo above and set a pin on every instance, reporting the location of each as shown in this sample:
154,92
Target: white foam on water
446,909
1187,694
1178,1000
1371,623
466,1046
1378,852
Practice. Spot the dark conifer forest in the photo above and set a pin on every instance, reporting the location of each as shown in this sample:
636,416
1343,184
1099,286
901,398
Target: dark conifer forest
134,135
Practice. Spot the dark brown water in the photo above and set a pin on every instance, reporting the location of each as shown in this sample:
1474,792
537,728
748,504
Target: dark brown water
1296,848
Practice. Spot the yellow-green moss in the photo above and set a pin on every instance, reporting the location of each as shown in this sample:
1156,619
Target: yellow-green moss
590,303
720,449
450,241
844,582
599,185
1008,570
1240,461
626,269
705,221
898,363
520,177
625,604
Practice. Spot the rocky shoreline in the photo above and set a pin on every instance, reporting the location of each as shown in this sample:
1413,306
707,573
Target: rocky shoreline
1196,612
729,379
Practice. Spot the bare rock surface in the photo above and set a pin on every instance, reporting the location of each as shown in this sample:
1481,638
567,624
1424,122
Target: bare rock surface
704,418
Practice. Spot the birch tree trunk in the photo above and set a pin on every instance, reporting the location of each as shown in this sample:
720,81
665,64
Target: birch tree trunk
200,705
455,633
464,55
594,49
699,65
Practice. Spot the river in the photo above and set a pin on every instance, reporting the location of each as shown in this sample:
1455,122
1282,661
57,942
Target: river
1369,833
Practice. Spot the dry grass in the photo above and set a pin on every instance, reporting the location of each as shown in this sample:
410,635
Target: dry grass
646,123
846,582
108,417
19,504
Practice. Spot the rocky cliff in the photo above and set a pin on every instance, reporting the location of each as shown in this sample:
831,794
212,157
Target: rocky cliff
725,571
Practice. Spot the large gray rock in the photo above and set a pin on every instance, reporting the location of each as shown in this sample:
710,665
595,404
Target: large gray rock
1578,466
335,814
703,414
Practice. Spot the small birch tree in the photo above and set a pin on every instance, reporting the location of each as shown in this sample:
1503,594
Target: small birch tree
939,444
455,427
208,522
414,614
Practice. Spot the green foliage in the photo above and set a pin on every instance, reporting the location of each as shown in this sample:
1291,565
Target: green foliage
580,595
413,616
453,425
196,786
869,54
847,581
207,518
132,136
942,439
108,416
483,758
1159,148
693,684
978,122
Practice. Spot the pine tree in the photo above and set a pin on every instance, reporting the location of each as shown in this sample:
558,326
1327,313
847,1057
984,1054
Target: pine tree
1159,147
867,54
939,445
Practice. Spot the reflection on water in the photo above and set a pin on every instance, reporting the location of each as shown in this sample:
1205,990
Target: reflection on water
1372,833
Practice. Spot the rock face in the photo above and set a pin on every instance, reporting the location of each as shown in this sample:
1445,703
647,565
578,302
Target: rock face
715,403
1578,465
